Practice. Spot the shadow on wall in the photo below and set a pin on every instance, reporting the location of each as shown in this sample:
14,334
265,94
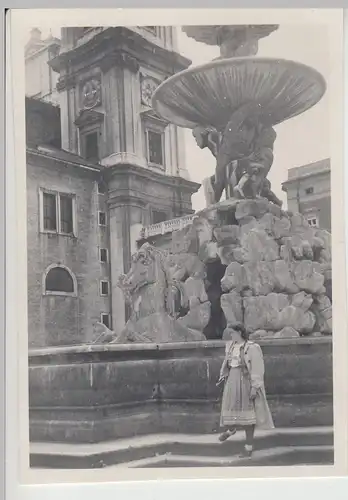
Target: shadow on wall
217,322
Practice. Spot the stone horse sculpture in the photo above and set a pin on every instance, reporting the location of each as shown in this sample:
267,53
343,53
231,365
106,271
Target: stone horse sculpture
154,297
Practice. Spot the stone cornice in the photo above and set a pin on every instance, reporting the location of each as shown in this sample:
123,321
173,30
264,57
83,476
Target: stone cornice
119,59
128,42
66,82
147,174
120,352
125,199
151,116
88,117
297,180
40,158
136,196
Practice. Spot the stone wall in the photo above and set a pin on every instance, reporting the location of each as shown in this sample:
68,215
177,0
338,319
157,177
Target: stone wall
54,319
96,393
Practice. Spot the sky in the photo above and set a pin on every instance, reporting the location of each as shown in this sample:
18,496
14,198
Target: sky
300,140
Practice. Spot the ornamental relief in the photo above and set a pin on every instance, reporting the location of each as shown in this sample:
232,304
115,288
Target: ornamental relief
148,86
91,93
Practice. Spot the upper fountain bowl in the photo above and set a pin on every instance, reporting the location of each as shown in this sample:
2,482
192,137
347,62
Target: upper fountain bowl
207,95
234,40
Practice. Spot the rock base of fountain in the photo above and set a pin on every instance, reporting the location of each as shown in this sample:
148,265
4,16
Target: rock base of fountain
277,277
241,262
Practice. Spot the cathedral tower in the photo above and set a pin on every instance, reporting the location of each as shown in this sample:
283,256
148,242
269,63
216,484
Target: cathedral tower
106,80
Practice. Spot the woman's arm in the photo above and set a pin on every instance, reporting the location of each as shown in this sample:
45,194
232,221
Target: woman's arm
257,367
224,367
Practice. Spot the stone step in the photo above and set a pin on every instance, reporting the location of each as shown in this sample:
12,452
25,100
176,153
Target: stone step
282,456
309,443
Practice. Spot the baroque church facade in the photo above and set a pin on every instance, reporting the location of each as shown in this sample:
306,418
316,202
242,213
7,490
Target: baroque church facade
101,167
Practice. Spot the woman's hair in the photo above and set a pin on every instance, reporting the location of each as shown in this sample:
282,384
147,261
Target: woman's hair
240,328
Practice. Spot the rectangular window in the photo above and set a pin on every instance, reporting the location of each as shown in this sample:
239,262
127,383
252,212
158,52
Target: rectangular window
49,212
103,255
92,146
155,147
309,190
57,213
105,320
158,216
66,214
313,221
101,188
104,288
102,218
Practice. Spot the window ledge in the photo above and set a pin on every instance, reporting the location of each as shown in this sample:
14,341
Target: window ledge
157,166
55,233
59,294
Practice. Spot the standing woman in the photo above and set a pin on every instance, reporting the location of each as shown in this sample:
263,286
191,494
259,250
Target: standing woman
244,404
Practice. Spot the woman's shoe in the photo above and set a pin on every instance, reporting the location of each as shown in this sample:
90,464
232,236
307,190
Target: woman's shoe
246,453
227,434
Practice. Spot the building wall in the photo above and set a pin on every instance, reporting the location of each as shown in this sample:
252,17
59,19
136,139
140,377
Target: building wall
40,79
125,118
308,191
60,320
164,36
138,194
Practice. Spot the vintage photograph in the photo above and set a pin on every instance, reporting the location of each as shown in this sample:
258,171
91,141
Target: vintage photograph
179,270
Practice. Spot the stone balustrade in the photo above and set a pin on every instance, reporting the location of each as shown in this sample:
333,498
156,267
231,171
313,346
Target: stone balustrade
165,227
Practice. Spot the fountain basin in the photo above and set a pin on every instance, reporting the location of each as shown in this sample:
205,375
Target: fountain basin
214,35
98,393
207,95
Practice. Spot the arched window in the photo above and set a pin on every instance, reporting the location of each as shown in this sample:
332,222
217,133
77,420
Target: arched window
58,280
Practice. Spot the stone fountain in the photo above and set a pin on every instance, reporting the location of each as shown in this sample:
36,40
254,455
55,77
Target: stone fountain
244,259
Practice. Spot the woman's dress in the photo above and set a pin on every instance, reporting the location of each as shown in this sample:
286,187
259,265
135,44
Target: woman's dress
244,365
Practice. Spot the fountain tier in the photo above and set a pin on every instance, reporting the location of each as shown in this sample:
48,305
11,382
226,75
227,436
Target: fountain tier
235,40
207,95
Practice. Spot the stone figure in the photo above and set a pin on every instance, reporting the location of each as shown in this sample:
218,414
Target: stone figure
155,296
244,156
